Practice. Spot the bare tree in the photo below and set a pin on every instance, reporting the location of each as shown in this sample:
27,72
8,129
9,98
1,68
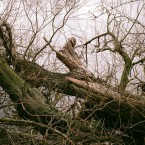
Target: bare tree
62,86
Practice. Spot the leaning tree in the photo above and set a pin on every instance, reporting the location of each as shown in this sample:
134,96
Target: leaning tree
47,104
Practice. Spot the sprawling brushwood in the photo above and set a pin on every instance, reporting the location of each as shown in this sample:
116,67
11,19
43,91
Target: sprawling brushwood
118,111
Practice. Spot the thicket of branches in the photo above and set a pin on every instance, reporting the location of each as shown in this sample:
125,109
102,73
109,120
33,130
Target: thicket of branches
70,75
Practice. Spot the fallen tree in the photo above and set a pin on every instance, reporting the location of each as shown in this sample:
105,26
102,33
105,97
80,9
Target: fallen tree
118,111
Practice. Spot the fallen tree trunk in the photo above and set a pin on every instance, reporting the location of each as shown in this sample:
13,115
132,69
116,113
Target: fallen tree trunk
118,113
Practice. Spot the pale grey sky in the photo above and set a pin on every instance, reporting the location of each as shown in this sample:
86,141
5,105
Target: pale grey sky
86,21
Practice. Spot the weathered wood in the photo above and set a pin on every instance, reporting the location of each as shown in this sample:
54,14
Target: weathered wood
69,57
